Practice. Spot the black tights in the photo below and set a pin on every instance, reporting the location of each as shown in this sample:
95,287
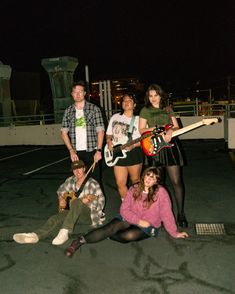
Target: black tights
174,173
116,230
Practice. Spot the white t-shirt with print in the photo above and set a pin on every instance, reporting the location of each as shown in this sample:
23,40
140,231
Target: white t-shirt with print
119,126
80,128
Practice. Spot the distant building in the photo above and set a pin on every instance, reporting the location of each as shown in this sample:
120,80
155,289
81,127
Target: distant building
118,87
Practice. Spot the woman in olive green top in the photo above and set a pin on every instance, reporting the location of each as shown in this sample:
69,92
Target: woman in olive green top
156,113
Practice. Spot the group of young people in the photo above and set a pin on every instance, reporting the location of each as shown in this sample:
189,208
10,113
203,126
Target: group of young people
146,204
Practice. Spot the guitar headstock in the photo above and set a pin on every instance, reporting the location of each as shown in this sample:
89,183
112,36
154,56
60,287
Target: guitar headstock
211,121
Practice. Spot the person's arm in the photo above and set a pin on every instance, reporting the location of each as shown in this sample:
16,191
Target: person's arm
96,190
143,126
175,126
109,141
63,188
100,138
126,209
167,216
99,124
67,142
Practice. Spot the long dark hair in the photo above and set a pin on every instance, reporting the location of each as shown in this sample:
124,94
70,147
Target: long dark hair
152,190
160,92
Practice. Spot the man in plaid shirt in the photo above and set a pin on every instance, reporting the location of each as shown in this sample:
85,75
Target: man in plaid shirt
86,209
83,129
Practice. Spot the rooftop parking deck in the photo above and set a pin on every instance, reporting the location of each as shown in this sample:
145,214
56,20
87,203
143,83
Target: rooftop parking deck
30,176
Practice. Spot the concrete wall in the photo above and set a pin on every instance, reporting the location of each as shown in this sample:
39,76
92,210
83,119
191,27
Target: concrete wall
30,135
231,133
50,134
215,131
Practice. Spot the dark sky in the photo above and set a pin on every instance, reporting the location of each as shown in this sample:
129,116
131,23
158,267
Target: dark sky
169,41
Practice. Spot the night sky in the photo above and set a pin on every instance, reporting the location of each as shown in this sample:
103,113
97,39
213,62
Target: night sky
167,41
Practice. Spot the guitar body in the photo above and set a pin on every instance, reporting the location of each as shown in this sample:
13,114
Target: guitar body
112,157
151,145
153,142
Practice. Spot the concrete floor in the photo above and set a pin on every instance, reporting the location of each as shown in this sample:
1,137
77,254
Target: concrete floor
200,264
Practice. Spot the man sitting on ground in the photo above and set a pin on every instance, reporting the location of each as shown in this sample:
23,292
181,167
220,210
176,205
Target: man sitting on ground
86,208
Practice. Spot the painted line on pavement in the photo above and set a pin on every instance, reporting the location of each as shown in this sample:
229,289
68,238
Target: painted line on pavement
44,166
12,156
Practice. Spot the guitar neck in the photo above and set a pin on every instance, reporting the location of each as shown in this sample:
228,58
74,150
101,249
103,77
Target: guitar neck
187,129
137,140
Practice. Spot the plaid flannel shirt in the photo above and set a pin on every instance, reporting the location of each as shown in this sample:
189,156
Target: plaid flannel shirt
94,124
91,187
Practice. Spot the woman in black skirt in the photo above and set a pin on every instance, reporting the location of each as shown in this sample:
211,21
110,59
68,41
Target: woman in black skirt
157,114
123,129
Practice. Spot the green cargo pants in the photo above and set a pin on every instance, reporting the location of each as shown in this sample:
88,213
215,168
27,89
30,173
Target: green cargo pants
78,212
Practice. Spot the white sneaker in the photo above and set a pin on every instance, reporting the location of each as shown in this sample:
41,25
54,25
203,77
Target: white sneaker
61,238
23,238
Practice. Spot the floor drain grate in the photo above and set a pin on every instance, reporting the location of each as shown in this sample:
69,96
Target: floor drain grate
210,229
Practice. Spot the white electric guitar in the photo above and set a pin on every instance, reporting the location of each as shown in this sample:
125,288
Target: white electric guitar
151,142
119,151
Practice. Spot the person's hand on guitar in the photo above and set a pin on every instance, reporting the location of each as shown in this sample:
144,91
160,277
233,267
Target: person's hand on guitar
167,135
87,199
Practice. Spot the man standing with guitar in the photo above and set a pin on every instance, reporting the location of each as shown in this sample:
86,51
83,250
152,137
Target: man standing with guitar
122,131
156,114
80,199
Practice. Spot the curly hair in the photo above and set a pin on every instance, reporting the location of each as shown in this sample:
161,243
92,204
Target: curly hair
152,190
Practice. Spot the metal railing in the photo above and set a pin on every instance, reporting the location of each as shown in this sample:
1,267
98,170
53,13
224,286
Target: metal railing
24,120
206,109
194,109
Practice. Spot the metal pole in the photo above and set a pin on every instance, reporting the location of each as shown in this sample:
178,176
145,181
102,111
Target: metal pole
87,81
101,94
109,99
105,98
210,101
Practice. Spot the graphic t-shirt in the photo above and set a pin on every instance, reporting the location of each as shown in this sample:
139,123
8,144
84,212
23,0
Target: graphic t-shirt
81,134
119,126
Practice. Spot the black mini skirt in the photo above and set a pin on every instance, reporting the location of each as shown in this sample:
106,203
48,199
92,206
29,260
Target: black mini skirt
135,156
170,155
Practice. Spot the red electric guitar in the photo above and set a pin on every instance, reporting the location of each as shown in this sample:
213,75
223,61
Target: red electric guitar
153,142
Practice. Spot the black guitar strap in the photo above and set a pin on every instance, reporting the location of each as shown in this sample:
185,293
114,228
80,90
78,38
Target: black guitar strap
81,187
76,193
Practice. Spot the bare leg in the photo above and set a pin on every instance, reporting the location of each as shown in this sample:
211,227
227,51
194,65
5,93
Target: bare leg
134,172
121,176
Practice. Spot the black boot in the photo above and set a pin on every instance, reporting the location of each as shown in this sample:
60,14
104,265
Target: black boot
182,221
73,247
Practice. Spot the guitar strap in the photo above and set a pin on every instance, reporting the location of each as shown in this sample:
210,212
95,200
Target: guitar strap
130,131
81,187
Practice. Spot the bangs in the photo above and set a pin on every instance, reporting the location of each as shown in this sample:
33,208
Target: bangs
151,174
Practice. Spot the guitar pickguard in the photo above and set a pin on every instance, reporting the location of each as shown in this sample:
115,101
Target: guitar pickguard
111,157
154,144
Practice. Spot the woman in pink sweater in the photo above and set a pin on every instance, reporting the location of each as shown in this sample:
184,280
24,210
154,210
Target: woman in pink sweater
144,208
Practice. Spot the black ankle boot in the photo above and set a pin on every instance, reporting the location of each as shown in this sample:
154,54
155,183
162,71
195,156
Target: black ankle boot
73,247
182,221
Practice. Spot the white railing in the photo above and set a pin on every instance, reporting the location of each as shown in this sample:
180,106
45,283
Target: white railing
205,109
194,109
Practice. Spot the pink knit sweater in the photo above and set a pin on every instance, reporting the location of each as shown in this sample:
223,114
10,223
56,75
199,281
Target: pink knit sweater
160,211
